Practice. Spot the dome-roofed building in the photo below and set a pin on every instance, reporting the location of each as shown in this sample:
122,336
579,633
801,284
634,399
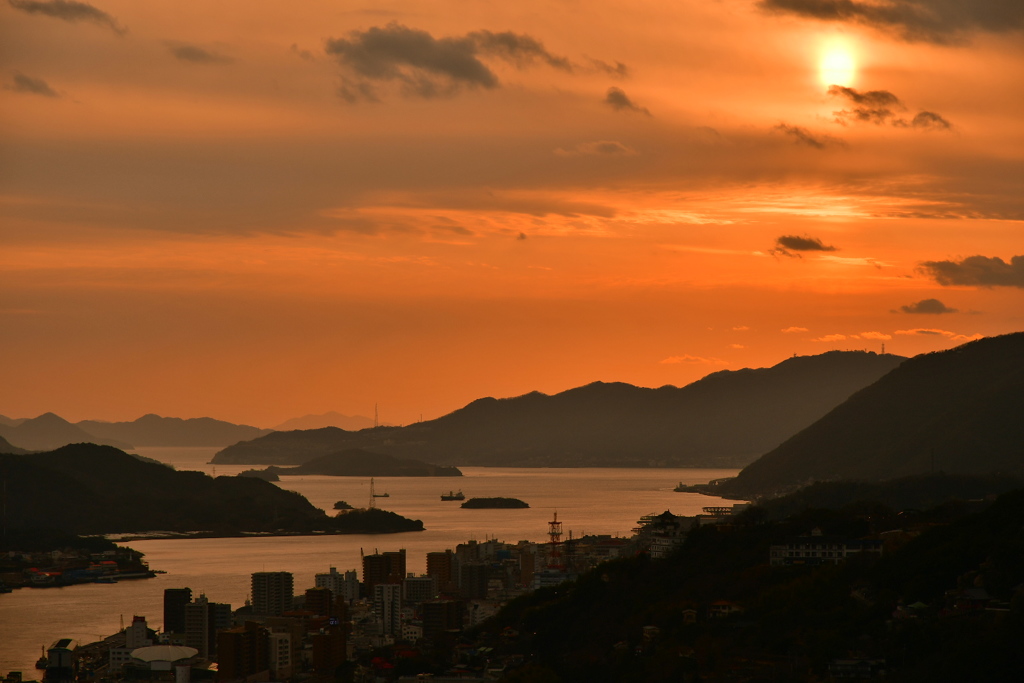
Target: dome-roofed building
163,657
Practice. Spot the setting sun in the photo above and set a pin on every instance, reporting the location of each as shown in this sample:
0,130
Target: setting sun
837,66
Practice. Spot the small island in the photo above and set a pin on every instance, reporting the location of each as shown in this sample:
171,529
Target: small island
374,521
342,505
491,503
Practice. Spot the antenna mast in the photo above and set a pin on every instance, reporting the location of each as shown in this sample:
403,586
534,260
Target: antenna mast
373,498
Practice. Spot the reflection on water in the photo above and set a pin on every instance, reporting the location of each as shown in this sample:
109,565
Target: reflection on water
590,500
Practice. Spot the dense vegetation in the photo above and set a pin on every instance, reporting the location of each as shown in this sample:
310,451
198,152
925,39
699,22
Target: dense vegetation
726,419
90,489
374,521
944,603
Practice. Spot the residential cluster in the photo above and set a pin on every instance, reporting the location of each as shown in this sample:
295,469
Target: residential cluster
283,634
20,569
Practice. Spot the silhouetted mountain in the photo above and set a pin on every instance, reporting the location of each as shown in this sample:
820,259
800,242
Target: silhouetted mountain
331,419
359,463
959,411
6,447
154,430
49,431
725,419
90,489
11,421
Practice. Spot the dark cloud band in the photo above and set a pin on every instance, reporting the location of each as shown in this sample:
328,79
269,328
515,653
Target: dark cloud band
977,271
927,307
68,10
938,21
425,66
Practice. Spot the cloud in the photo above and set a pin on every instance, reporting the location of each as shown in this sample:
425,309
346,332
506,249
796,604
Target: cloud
619,101
937,21
187,52
687,358
428,67
927,306
518,49
929,120
791,330
737,346
27,84
977,271
878,107
617,69
880,336
803,136
609,148
789,245
830,338
932,332
69,10
740,328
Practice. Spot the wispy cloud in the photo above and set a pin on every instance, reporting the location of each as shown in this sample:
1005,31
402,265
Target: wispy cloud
608,148
927,307
792,245
618,100
195,54
793,330
428,67
70,11
687,358
34,86
802,136
830,338
880,107
932,332
937,21
977,271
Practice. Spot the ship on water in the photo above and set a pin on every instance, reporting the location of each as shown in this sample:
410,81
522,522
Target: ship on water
453,496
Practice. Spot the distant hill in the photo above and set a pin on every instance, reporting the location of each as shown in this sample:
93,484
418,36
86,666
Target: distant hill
154,430
726,419
49,431
959,411
359,463
11,421
90,489
6,447
331,419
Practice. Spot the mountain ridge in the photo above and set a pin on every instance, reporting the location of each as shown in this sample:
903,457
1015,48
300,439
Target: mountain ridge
957,411
726,419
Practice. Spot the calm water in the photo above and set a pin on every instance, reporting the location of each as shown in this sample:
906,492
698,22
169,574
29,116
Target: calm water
591,501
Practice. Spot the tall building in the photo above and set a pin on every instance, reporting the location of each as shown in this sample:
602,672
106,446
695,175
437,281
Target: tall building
442,616
383,568
243,651
175,600
271,593
441,565
203,619
344,586
320,601
419,588
329,649
387,604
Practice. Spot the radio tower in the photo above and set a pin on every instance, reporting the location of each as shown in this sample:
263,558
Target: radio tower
555,556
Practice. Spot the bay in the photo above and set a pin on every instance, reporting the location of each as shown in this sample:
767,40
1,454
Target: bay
586,500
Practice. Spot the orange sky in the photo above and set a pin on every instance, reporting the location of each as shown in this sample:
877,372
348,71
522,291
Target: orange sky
258,210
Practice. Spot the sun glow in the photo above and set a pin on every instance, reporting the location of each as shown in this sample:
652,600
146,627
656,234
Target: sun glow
837,66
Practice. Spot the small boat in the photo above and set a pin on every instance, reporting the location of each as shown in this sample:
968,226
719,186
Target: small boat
374,494
42,661
453,496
